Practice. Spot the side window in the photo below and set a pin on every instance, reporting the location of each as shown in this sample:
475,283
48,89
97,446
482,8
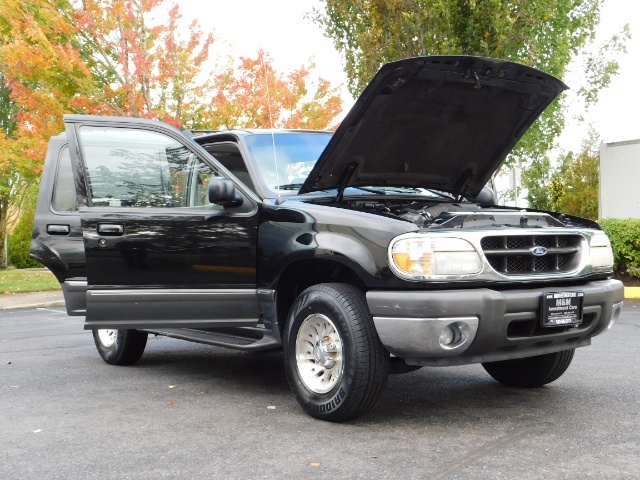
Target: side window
138,168
64,189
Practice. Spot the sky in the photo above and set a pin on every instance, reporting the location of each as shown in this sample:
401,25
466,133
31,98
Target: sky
241,27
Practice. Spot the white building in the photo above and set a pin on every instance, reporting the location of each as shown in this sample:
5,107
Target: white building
620,180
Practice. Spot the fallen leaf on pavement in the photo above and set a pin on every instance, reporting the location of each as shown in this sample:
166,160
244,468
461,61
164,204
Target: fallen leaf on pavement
171,403
199,393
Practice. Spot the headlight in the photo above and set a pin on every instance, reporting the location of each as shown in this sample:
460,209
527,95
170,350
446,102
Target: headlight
428,257
601,252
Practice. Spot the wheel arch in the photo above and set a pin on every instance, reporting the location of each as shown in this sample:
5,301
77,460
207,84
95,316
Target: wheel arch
301,274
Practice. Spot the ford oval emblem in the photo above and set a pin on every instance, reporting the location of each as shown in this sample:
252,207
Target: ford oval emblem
539,251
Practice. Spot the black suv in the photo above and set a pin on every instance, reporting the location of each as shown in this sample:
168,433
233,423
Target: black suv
378,246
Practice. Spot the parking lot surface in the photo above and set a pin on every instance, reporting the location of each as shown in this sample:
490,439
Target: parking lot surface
194,411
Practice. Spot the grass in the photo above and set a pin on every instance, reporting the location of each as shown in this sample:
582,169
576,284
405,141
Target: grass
13,280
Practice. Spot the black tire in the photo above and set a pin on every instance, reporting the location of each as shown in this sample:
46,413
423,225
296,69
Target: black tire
530,372
356,365
120,347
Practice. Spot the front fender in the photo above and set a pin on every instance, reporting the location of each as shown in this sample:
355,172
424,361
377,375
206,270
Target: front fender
331,243
355,239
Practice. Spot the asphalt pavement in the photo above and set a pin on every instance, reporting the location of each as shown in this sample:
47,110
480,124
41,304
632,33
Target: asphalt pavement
193,411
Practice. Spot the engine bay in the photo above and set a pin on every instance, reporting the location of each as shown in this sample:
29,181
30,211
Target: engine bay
436,214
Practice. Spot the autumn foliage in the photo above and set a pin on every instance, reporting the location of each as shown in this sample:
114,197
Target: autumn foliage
254,95
112,57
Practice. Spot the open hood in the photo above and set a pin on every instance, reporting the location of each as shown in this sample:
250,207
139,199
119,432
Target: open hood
442,122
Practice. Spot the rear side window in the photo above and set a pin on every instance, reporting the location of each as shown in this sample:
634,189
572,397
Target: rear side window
64,189
128,167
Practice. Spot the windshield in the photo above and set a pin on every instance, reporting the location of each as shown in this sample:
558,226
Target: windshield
296,153
285,159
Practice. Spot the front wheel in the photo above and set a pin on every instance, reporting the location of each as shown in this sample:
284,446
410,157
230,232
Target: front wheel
120,347
530,372
334,360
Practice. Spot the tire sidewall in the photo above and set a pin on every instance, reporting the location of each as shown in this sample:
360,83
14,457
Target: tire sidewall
109,354
338,398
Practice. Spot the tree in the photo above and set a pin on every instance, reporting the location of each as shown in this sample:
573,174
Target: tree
8,109
570,187
19,242
97,57
41,72
575,185
145,69
545,34
112,57
255,95
12,188
536,181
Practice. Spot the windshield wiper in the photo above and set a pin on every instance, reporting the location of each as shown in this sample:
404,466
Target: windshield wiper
440,194
416,190
289,186
371,190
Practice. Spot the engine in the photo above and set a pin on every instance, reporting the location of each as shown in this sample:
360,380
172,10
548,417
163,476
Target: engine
434,215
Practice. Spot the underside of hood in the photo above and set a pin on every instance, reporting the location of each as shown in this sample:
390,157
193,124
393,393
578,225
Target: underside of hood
443,122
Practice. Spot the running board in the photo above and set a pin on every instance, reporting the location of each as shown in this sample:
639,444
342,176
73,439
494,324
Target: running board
236,341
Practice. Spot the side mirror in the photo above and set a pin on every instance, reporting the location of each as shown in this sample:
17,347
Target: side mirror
487,196
222,191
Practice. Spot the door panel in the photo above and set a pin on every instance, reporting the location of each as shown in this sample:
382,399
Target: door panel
165,249
157,252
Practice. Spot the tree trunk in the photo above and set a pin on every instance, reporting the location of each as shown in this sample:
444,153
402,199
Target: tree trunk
3,238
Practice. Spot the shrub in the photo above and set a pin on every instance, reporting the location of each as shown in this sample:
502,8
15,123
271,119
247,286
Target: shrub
19,241
625,240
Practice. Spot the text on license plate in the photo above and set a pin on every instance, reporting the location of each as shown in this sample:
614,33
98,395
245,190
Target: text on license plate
561,308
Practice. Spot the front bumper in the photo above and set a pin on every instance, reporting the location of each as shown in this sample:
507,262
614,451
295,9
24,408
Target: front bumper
491,325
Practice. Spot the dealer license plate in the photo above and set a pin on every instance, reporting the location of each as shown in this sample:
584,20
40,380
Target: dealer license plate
561,308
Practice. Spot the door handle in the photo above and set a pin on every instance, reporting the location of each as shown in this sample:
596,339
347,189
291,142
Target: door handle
58,229
112,229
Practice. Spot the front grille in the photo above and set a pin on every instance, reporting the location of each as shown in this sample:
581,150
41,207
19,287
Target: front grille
513,254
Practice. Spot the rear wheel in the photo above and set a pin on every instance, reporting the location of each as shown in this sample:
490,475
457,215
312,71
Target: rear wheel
531,371
120,347
334,360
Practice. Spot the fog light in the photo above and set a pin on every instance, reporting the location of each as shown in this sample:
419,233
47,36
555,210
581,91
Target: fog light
448,336
454,335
